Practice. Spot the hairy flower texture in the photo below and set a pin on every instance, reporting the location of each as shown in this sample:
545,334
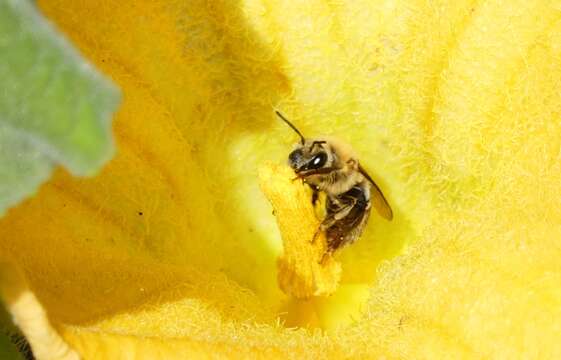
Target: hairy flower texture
454,109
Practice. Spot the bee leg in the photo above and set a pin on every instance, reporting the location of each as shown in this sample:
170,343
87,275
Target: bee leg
325,224
327,254
315,195
316,234
332,219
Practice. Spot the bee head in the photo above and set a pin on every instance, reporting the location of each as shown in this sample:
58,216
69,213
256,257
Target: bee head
313,154
308,154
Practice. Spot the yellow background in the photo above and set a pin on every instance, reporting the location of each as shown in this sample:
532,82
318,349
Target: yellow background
454,108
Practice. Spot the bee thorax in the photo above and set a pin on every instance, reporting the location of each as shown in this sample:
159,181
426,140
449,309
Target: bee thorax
337,182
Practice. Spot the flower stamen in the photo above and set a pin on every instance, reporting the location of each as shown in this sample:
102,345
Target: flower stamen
304,271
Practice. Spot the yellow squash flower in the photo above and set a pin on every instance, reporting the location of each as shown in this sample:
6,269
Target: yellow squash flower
454,108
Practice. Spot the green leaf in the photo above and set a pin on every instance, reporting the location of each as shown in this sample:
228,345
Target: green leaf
55,108
8,350
8,332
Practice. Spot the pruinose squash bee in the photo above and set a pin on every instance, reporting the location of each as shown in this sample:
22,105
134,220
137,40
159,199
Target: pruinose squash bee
330,166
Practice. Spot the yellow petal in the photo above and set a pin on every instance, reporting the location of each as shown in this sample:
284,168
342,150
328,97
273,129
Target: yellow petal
453,107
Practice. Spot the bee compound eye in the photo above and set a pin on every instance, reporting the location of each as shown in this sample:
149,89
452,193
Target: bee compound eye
318,161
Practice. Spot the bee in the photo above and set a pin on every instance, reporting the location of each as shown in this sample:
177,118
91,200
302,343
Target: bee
330,166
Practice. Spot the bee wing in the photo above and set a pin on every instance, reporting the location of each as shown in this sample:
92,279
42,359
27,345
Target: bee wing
377,198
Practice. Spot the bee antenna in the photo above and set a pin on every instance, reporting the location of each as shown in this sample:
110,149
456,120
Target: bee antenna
302,139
